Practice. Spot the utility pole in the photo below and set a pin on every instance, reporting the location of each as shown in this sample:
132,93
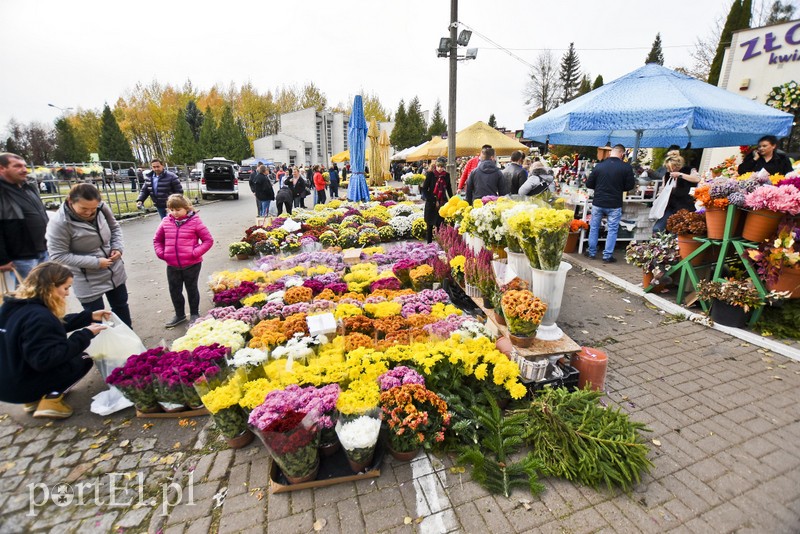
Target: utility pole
451,107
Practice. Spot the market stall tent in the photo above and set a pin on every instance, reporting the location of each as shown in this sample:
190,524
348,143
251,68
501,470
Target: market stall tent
656,107
468,143
430,150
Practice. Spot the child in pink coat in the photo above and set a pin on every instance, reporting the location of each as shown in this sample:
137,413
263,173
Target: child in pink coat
181,240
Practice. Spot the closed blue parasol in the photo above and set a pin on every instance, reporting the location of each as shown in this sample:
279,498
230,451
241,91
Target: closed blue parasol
356,138
656,107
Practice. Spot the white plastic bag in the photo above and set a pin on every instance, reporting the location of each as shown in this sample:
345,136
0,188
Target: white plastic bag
661,201
109,401
112,347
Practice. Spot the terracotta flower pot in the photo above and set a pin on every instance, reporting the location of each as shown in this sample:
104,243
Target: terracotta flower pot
572,243
522,342
687,245
242,257
715,222
788,280
329,449
647,279
403,456
308,478
242,440
761,225
360,467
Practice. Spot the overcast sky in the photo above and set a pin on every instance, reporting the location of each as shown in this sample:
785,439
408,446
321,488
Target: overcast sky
82,53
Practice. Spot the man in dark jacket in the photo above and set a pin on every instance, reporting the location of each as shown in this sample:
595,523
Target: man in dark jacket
159,184
262,187
609,179
487,179
766,157
514,173
23,220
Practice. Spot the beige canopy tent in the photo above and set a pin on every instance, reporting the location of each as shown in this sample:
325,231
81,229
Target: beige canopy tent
345,156
469,142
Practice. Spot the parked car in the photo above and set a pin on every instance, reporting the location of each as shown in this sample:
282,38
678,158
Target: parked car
219,178
196,174
245,171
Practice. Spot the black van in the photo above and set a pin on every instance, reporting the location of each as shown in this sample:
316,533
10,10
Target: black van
219,178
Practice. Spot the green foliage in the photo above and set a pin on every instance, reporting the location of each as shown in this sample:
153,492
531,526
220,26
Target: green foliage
69,148
312,97
184,147
208,136
501,436
438,125
229,137
577,439
417,131
656,54
194,117
398,137
570,74
113,145
492,121
782,321
739,11
598,82
585,86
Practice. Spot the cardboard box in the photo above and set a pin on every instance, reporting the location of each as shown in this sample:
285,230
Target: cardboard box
333,470
173,415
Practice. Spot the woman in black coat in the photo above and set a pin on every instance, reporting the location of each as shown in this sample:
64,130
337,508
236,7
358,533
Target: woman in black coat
298,186
38,362
437,191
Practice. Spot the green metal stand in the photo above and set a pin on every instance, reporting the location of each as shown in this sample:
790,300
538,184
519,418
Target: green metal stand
685,269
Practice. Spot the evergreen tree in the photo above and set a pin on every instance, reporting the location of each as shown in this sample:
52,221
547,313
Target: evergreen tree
399,137
585,86
245,150
492,121
732,23
780,12
113,145
746,14
417,131
69,148
438,125
208,136
184,146
228,135
570,74
656,54
13,147
194,117
598,82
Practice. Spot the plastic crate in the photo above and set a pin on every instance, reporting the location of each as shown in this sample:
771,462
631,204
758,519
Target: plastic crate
569,380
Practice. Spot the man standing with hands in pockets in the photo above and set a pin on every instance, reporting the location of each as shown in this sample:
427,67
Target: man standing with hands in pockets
159,184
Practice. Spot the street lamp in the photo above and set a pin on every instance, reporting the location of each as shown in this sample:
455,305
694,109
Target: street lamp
448,47
63,110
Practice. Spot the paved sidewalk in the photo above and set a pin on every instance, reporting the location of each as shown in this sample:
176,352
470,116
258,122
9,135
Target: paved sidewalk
723,412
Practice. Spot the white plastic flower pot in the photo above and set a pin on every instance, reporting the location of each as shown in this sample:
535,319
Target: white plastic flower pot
549,287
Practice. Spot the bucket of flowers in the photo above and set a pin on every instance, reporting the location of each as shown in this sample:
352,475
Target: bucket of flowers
575,227
288,423
686,225
242,250
222,402
417,417
135,380
359,423
523,313
732,299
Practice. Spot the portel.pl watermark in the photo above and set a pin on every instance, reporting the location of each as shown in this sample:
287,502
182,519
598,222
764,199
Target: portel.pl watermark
121,491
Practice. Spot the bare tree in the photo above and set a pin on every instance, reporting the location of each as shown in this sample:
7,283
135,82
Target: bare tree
704,50
542,89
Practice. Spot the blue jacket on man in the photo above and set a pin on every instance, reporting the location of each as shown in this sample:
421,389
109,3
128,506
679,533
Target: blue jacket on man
167,183
609,179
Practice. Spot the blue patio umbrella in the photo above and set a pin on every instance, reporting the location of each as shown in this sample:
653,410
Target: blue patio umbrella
356,139
656,107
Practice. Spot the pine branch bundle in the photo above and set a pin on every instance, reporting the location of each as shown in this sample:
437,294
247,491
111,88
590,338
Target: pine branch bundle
501,436
576,438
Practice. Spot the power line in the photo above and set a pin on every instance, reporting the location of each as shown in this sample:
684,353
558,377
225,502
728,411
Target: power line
585,49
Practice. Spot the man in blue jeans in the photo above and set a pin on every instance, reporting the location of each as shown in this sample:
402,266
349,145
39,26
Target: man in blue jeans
609,179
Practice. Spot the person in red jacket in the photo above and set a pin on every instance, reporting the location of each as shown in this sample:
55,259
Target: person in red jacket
181,240
319,184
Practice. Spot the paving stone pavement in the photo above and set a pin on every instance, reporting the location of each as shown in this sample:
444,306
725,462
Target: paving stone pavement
725,415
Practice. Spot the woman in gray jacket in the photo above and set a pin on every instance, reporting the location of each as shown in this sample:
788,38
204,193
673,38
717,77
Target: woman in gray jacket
85,236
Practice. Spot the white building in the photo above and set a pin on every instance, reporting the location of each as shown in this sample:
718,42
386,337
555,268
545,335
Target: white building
757,60
307,137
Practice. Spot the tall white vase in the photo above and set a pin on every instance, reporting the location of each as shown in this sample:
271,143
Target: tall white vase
549,287
519,262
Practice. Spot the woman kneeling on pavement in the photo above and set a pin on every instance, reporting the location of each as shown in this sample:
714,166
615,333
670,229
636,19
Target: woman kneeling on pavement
38,362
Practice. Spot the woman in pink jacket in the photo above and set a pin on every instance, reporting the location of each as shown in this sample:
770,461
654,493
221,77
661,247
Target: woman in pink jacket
181,240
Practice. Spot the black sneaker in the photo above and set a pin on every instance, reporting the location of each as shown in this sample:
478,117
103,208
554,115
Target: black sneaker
610,259
175,321
590,256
